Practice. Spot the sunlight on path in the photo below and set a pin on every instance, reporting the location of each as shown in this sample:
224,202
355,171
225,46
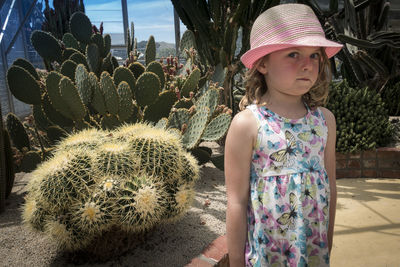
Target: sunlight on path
367,228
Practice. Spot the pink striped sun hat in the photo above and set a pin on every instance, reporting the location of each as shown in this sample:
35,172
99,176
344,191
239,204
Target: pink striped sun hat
284,26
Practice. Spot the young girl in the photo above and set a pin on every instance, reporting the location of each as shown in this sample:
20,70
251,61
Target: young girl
280,150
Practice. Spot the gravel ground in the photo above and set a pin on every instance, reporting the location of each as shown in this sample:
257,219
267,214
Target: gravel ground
169,245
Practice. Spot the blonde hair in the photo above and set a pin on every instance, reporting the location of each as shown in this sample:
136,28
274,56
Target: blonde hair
256,85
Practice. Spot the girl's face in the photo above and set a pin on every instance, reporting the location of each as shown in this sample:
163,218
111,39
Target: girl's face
292,71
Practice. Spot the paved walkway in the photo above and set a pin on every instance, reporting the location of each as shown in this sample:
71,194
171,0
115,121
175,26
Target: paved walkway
367,227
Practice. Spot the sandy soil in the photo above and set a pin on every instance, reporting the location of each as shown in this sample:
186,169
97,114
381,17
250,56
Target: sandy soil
169,245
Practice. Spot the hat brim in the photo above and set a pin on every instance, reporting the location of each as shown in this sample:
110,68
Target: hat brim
251,56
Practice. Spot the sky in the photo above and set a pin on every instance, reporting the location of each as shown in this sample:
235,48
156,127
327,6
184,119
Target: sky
150,17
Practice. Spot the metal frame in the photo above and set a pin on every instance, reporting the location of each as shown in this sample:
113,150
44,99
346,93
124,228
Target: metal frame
3,178
6,51
125,20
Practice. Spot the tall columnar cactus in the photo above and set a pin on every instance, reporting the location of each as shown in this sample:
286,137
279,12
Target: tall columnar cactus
215,27
57,19
128,180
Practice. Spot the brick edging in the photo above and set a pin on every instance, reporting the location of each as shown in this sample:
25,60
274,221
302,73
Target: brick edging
378,163
215,254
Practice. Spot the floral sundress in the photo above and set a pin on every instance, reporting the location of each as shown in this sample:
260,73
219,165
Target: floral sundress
288,210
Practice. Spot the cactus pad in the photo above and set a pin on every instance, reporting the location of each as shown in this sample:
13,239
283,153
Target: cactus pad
46,45
110,93
71,97
68,52
79,58
55,134
217,127
162,123
188,41
93,57
17,132
157,69
109,122
25,64
114,62
161,107
41,120
107,64
81,27
83,84
53,91
30,161
125,101
178,117
191,83
70,41
184,103
195,128
147,89
209,100
124,74
53,115
68,69
99,41
98,101
137,69
150,53
107,45
23,85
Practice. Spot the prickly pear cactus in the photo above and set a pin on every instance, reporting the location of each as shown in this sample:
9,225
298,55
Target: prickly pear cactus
361,118
102,184
17,132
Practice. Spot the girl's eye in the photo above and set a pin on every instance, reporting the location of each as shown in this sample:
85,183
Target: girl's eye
293,55
315,56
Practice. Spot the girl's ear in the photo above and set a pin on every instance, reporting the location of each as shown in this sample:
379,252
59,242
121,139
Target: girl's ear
262,66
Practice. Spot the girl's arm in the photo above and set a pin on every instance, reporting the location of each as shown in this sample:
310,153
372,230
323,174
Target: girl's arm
330,166
238,150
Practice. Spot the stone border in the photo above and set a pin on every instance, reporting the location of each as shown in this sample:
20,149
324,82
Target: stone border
216,254
379,163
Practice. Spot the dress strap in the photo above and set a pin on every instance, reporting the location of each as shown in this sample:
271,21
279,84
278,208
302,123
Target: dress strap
257,114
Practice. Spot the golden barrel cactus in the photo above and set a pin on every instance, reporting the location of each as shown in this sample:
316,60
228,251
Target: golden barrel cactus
127,180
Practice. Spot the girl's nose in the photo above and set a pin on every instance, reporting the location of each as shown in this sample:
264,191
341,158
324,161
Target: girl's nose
307,63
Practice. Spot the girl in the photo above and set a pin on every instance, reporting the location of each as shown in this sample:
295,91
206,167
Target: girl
280,150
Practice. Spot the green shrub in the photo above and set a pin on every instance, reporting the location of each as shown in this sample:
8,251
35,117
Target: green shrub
361,117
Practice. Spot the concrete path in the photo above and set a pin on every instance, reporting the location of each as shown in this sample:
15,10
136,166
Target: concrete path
367,227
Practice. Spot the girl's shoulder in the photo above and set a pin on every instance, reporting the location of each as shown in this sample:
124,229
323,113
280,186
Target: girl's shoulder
245,119
328,116
244,124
